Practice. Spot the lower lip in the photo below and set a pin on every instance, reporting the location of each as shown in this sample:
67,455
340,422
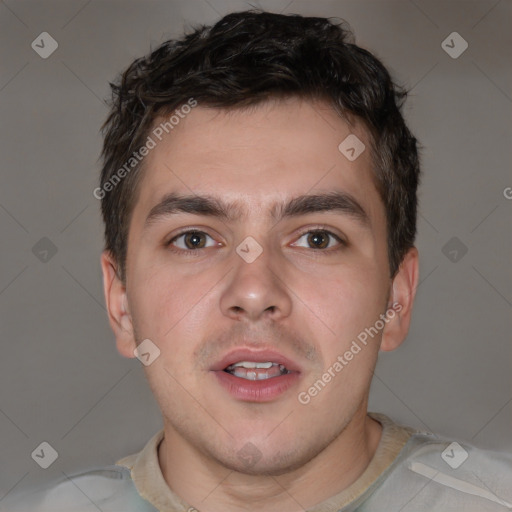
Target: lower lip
256,390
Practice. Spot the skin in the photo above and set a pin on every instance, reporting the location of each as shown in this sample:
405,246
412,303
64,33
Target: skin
307,303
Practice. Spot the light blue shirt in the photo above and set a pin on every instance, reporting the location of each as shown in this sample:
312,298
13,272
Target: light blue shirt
411,471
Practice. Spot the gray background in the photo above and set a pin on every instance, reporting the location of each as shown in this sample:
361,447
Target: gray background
61,378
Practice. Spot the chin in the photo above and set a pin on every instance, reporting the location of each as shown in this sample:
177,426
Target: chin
249,460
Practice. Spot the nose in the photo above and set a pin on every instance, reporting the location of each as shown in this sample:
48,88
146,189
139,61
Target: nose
256,290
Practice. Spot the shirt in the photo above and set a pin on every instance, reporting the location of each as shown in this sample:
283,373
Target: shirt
411,471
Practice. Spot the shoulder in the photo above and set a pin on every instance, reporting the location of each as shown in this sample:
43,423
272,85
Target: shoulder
434,473
107,488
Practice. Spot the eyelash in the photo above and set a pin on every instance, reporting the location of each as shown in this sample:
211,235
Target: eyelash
197,252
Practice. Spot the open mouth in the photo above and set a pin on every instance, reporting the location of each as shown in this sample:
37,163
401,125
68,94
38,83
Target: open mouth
251,370
256,375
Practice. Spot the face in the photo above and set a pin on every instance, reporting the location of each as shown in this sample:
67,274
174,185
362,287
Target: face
251,290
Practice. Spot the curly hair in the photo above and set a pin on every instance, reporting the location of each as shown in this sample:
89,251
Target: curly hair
244,59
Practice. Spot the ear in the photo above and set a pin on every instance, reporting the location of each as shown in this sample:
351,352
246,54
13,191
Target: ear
117,306
401,299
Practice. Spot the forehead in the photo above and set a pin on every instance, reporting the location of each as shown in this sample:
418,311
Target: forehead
259,157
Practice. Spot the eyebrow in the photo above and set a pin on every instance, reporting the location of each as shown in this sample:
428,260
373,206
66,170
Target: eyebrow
340,202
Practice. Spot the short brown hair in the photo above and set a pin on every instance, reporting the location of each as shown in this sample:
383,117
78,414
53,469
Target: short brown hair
246,58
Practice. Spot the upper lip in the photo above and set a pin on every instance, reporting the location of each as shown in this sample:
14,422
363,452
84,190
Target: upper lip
258,356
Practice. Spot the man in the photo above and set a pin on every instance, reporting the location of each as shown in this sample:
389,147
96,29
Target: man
259,197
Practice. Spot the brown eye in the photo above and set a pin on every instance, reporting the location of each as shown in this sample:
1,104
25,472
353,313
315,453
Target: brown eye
319,239
192,240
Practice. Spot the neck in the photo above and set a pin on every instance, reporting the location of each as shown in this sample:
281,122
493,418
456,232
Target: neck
211,487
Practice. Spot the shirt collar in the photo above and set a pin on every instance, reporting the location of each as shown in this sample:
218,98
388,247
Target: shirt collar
151,485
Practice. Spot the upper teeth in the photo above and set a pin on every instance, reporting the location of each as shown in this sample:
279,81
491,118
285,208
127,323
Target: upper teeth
252,364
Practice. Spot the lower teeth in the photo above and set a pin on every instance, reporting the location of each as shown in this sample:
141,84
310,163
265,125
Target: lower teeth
251,375
243,373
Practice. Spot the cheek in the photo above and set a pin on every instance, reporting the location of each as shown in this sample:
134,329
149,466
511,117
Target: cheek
165,303
346,302
350,305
